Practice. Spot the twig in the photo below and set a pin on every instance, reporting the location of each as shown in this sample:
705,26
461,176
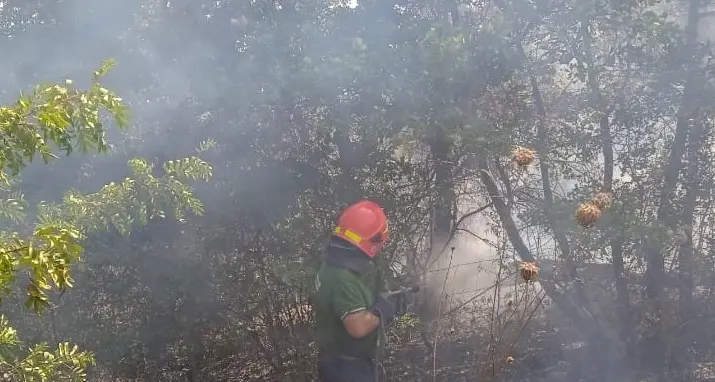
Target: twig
539,303
456,228
462,265
439,317
495,307
483,292
14,250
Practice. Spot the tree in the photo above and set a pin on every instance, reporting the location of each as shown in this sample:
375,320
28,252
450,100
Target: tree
417,105
71,119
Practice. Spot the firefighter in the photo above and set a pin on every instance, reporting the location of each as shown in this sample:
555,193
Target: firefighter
349,314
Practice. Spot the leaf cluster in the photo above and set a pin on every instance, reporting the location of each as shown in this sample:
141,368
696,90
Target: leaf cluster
62,118
40,363
57,117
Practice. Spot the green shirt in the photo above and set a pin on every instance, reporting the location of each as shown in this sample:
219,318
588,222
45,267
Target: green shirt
339,292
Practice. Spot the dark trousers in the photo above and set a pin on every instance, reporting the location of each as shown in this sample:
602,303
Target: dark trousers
345,369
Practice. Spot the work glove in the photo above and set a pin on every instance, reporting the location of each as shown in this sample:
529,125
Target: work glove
385,308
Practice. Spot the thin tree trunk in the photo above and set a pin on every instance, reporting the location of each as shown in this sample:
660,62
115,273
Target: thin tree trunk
440,145
686,250
556,227
542,136
561,239
666,216
348,159
444,186
692,191
617,237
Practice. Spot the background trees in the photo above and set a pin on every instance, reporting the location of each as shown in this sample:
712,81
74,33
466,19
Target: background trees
303,107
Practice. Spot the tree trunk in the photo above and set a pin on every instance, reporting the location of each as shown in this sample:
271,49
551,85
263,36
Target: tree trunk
666,216
570,304
616,235
680,361
349,158
440,145
692,191
444,214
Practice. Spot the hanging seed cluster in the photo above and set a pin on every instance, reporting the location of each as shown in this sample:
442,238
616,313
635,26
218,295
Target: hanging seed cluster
603,200
529,271
523,156
589,212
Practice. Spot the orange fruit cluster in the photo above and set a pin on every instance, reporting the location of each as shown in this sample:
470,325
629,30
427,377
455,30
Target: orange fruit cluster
529,271
523,156
589,212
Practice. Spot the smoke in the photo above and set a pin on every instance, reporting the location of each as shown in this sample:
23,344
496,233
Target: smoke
167,74
467,263
186,81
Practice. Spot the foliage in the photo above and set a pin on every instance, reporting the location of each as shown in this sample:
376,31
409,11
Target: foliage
72,120
54,114
417,105
66,363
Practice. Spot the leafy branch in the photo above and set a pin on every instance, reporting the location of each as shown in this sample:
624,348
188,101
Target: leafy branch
58,116
66,363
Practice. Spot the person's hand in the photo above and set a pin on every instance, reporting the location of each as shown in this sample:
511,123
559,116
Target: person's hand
385,308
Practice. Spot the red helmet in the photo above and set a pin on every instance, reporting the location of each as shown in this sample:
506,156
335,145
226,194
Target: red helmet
365,225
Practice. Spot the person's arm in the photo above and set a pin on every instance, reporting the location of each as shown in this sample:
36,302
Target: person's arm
361,323
350,306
